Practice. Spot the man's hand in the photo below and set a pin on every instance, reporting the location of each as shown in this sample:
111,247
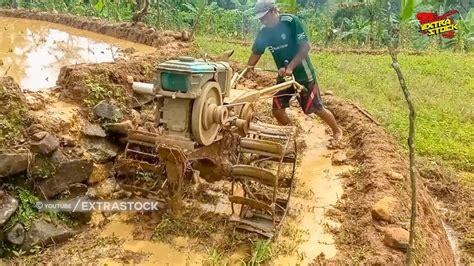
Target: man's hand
283,72
249,72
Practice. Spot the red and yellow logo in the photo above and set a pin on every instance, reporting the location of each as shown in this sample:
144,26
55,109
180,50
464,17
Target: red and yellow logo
432,24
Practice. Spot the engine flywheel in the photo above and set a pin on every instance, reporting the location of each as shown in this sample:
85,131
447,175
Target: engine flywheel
208,114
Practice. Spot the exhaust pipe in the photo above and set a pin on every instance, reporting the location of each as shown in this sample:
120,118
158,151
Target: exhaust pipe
143,88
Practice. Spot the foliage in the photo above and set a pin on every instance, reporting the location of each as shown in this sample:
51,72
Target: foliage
261,253
347,23
27,211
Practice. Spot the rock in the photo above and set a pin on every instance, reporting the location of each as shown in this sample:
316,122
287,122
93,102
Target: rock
16,235
106,188
12,163
339,157
101,150
74,171
129,78
45,233
107,110
77,190
34,103
97,219
121,128
100,172
328,92
46,145
383,209
39,135
93,130
8,206
136,119
35,128
395,176
396,238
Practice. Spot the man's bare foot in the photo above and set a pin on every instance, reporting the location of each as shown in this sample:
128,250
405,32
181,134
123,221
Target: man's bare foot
337,135
336,141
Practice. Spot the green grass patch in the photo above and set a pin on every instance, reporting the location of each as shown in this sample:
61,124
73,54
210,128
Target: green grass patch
442,87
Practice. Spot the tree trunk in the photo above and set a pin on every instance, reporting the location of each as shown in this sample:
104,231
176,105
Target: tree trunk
411,146
198,18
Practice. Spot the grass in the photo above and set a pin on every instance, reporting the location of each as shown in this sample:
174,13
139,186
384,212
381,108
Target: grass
441,84
262,252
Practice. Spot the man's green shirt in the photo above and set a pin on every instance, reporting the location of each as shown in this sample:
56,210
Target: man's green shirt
283,41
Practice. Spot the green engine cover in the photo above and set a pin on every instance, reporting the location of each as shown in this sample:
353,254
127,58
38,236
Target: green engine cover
175,82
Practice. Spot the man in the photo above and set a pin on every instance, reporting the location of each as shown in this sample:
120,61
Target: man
285,37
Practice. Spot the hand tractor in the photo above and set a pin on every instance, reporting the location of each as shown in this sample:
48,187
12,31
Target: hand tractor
206,126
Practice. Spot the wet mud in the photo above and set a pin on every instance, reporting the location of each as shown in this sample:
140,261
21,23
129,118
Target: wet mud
32,51
134,32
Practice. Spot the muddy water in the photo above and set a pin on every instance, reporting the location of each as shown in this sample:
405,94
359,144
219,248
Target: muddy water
319,181
158,253
32,52
319,188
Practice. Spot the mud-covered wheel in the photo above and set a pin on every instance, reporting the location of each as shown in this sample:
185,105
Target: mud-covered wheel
203,126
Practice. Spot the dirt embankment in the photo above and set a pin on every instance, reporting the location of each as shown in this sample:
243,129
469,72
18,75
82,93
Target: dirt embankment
13,112
135,32
382,172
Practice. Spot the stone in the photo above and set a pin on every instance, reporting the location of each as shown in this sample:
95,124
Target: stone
121,128
107,110
46,145
35,128
74,171
8,206
43,233
12,162
397,238
328,92
68,141
77,190
339,157
135,117
101,150
383,209
100,172
395,176
93,130
39,135
35,103
16,235
106,188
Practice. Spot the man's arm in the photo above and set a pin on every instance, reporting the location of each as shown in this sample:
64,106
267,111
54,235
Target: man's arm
253,59
303,45
303,52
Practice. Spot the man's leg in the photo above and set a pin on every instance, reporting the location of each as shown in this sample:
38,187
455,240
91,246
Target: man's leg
311,102
329,119
281,116
281,101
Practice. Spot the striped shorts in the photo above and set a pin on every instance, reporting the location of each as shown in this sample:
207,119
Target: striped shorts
310,100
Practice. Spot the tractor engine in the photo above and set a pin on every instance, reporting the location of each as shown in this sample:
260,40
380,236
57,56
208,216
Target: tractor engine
190,101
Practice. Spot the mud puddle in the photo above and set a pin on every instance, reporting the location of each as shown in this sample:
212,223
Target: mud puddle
158,253
318,189
32,52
